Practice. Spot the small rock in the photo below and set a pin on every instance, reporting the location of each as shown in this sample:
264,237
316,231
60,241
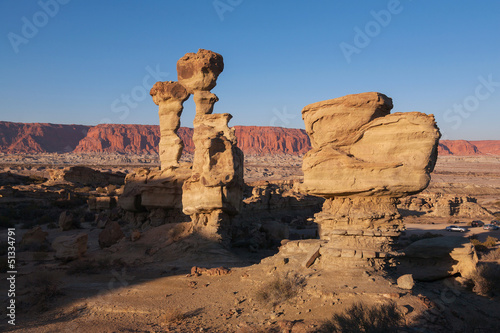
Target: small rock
406,282
70,247
136,234
66,221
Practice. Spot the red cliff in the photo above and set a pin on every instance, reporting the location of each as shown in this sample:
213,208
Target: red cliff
140,139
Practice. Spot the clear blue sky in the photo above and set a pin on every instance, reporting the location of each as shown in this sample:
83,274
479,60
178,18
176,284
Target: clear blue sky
89,61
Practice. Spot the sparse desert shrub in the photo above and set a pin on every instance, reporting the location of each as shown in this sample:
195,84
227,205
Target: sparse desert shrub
415,237
483,246
280,289
492,255
487,279
43,288
490,241
172,315
362,318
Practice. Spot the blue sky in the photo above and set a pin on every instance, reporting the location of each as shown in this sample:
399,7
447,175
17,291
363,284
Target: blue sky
90,62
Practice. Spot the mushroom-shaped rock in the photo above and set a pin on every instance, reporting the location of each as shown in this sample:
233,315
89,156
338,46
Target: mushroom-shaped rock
199,71
168,90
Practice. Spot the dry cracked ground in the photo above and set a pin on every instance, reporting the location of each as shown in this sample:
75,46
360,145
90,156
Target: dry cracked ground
165,279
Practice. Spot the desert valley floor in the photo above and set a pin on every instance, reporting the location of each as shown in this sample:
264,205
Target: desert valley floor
161,278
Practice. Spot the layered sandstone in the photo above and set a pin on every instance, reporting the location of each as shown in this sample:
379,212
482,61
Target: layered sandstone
169,96
362,159
214,191
360,149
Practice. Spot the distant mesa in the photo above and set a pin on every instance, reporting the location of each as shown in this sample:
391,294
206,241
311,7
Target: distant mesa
29,138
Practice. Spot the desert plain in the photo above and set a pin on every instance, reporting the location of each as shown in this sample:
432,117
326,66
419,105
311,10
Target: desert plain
160,278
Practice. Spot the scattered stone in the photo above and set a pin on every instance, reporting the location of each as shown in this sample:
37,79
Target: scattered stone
135,235
70,247
406,282
111,234
35,240
217,271
66,221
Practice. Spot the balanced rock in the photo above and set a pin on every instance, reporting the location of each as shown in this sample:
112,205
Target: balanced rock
359,149
215,189
362,159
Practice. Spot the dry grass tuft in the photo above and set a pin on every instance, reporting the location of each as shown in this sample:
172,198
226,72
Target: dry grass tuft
280,289
44,288
172,315
487,279
384,318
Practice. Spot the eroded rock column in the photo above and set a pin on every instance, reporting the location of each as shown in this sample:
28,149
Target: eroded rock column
169,97
214,192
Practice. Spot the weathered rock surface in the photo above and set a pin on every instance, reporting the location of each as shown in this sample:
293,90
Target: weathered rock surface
35,239
70,247
361,149
362,159
169,96
86,176
406,282
111,234
214,191
436,258
442,205
66,221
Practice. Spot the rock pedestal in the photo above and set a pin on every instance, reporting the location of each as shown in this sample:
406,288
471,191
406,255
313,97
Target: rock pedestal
214,191
363,158
211,190
169,96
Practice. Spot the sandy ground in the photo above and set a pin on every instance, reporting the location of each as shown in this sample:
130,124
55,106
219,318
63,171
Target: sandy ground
153,291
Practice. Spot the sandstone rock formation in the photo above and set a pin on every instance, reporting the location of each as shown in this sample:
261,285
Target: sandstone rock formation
437,258
169,96
362,159
214,191
211,191
443,205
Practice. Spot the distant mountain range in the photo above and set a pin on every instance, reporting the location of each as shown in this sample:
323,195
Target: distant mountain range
140,139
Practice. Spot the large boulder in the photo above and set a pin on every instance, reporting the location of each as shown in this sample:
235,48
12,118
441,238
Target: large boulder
111,234
70,247
35,239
